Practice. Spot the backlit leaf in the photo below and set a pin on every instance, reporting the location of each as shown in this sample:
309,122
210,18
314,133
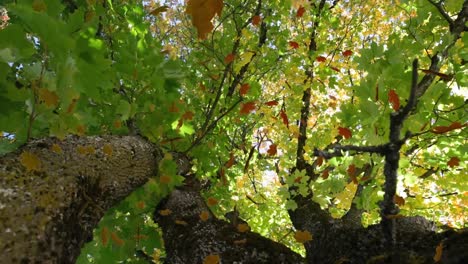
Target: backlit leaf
271,103
345,132
394,100
202,12
293,44
300,12
284,117
256,20
244,89
247,108
347,53
453,162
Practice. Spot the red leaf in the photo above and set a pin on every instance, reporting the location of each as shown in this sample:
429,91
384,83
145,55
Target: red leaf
347,53
319,161
284,117
455,125
230,162
244,89
300,11
346,133
188,115
445,129
272,103
400,201
394,100
335,69
453,162
256,20
320,59
352,173
443,76
293,44
229,58
325,174
272,150
248,107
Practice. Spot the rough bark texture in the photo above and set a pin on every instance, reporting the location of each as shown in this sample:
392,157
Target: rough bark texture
47,214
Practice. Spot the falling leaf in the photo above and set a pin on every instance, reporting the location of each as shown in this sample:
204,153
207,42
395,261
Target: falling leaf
394,100
244,89
256,20
248,107
320,59
165,212
56,148
300,12
50,98
453,162
240,242
212,201
347,53
204,216
117,240
284,117
293,44
104,236
400,201
30,161
345,132
438,252
242,228
165,179
228,59
325,174
271,103
272,150
202,11
303,236
107,149
140,205
159,10
181,222
212,259
230,162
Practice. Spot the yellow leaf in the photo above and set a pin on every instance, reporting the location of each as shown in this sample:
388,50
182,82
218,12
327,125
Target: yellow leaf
211,259
438,252
30,161
165,212
156,256
242,228
56,148
345,198
240,242
245,58
202,11
50,98
303,236
107,149
181,222
204,216
212,201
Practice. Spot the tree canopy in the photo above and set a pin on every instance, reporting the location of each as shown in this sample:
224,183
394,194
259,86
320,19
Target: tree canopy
357,107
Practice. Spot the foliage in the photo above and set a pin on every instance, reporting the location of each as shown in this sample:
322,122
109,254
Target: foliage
226,86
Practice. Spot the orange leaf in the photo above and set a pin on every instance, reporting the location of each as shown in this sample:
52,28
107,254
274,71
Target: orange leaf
325,174
165,212
256,20
272,150
453,162
293,44
230,162
173,108
30,161
394,100
320,59
229,58
271,103
50,98
242,228
104,236
117,240
244,89
319,161
400,201
303,236
438,252
204,216
455,125
212,201
117,124
202,11
165,179
300,11
347,53
181,222
140,205
346,133
212,259
284,117
248,107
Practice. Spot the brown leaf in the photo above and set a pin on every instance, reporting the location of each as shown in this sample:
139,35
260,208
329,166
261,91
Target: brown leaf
284,117
345,132
293,44
248,107
394,100
244,89
302,236
300,12
256,20
438,252
212,259
400,201
104,236
272,150
453,162
229,58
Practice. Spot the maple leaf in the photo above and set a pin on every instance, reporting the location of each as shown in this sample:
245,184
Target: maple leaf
212,259
202,11
30,161
165,212
438,252
284,117
345,198
398,200
325,174
159,10
244,89
104,236
345,132
242,228
300,12
204,216
293,44
453,162
256,20
272,150
320,59
347,53
50,98
117,240
302,236
228,59
394,100
212,201
271,103
248,107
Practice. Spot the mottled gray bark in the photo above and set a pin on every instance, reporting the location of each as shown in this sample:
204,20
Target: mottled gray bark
49,211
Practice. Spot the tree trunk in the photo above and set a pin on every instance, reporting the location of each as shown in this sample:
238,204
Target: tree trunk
53,193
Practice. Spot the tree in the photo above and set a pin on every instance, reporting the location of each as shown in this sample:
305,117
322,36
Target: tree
241,128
